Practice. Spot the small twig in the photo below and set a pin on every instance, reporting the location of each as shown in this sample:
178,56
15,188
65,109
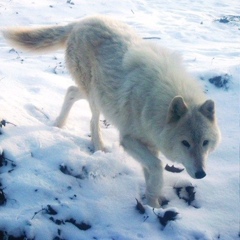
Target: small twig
4,122
146,218
37,213
8,159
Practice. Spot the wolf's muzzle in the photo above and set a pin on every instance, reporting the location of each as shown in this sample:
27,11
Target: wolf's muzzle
200,174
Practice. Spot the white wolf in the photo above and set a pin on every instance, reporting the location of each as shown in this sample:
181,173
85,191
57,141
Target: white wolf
141,88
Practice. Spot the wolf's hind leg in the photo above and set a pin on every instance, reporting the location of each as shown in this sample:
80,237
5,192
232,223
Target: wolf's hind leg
152,167
95,129
72,95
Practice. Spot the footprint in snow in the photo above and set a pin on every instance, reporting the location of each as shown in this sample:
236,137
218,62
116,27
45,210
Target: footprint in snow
37,113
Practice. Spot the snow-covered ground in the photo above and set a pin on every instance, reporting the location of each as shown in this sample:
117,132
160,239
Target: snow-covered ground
54,187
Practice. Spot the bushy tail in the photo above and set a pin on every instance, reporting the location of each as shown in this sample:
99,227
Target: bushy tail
42,39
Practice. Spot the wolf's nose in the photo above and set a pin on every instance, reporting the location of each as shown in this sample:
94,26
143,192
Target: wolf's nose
200,174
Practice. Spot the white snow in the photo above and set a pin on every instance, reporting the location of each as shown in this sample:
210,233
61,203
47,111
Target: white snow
103,191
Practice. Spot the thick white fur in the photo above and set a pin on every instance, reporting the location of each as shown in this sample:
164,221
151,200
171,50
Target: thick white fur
141,88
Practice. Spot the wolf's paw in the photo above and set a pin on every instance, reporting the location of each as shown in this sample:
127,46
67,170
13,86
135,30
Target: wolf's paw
163,201
93,150
99,146
154,202
59,122
104,149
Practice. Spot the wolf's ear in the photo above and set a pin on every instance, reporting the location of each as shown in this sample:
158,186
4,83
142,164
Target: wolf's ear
176,110
208,109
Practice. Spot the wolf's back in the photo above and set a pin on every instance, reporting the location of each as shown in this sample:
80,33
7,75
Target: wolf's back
40,39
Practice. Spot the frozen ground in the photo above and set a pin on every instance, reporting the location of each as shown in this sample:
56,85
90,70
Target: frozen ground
53,187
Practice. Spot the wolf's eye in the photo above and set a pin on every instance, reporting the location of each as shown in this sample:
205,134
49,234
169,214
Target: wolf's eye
186,144
205,143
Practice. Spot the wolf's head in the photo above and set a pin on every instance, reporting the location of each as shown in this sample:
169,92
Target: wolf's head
190,134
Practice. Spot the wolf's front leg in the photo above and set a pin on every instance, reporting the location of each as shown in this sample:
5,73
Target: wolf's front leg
152,166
